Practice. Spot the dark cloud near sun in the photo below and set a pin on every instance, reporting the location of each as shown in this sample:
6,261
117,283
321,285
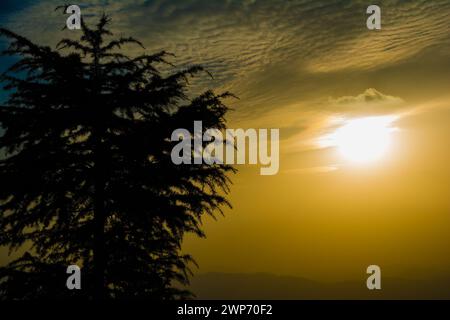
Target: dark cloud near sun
370,102
371,95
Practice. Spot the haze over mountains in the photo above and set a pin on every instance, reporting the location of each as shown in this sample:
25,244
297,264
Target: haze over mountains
269,286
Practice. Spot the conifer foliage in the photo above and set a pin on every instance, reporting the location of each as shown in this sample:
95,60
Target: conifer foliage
86,175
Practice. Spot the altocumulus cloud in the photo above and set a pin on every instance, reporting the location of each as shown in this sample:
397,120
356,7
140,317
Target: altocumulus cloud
271,53
235,39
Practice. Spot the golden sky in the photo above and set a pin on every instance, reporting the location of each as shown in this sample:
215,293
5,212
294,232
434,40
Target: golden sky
309,68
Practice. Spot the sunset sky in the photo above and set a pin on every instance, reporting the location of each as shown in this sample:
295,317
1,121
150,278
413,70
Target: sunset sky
313,70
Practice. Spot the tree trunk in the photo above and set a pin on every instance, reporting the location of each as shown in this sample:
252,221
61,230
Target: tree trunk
99,259
99,226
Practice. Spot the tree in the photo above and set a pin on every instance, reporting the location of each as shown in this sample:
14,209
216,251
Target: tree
86,174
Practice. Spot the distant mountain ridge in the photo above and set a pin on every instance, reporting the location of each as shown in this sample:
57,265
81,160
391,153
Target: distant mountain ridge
265,286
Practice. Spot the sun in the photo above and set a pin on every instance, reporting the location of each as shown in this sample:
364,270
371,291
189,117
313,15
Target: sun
364,140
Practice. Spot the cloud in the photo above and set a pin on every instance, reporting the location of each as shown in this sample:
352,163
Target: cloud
237,39
370,102
303,115
371,95
305,124
408,28
280,57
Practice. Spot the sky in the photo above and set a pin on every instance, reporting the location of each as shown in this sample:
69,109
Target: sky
310,68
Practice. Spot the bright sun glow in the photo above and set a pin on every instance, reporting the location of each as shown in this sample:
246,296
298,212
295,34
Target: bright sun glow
363,140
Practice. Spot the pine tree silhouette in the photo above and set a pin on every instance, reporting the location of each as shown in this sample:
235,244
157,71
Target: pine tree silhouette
86,174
